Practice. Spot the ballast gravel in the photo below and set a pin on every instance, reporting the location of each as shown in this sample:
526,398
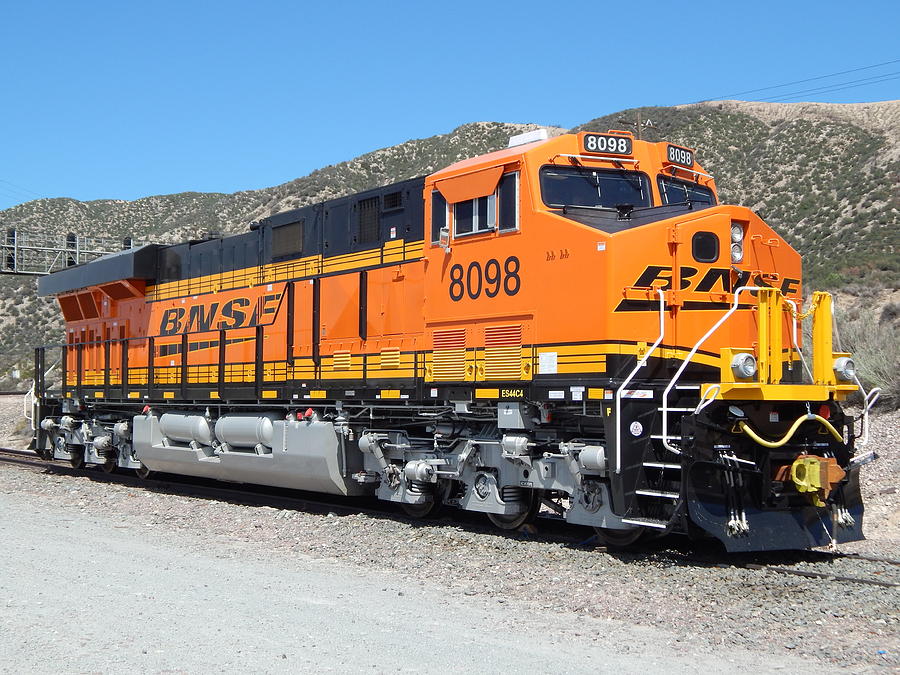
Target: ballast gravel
698,601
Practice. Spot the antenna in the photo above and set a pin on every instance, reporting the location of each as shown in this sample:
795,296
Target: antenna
637,124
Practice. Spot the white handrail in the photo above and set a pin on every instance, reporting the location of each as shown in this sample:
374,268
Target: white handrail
30,394
28,410
869,400
640,364
600,158
687,360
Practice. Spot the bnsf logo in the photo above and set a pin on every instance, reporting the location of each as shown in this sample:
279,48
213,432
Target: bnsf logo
235,313
713,279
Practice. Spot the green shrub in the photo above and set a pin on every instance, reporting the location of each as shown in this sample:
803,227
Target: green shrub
874,345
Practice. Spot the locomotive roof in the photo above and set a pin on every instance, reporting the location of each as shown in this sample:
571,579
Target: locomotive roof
132,263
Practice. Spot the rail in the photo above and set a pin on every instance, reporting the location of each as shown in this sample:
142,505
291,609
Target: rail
599,158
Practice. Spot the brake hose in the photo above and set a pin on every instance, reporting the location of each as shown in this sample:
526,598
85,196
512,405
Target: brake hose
784,439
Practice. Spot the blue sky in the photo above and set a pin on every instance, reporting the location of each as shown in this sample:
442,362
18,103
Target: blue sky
123,100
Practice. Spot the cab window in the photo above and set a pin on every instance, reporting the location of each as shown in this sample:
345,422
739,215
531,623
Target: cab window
593,188
674,191
508,202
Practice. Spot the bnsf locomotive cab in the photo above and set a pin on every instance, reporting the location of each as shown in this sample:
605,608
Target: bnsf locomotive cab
572,323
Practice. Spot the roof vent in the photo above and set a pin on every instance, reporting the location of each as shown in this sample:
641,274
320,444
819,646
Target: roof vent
527,137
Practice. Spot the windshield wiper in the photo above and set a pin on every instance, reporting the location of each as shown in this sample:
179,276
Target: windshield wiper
588,174
566,207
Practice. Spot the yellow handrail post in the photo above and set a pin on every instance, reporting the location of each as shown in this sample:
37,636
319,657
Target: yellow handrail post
771,317
823,353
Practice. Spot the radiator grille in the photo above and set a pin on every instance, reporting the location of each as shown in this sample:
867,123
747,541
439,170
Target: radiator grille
503,352
341,360
390,359
449,363
393,200
368,220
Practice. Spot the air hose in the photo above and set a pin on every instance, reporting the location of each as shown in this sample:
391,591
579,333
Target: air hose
784,439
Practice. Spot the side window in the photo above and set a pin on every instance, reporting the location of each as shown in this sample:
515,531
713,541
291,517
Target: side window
508,197
475,215
463,217
496,211
438,215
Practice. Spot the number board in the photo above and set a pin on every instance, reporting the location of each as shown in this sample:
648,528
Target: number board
490,278
681,156
607,145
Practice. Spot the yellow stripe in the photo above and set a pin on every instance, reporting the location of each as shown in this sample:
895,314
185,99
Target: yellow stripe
396,250
168,394
487,393
134,394
598,350
269,393
376,374
317,393
466,364
390,393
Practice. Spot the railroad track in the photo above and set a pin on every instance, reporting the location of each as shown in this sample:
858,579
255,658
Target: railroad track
550,529
251,495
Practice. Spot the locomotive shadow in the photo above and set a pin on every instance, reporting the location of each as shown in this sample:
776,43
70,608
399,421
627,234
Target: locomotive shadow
678,551
668,550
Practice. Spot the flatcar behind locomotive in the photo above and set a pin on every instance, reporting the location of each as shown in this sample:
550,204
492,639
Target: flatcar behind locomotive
574,322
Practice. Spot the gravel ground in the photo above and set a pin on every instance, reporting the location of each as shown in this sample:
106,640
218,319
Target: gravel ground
696,607
11,422
180,603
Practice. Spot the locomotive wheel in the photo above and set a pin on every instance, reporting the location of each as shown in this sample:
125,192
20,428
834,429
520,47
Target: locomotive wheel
432,508
421,510
618,538
110,465
143,472
77,456
516,520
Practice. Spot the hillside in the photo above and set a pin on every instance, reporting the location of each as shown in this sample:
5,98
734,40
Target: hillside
824,175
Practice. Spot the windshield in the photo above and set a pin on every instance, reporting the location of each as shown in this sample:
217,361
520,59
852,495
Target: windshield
676,191
594,188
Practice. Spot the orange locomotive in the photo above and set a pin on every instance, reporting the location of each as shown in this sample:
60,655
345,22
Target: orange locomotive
573,322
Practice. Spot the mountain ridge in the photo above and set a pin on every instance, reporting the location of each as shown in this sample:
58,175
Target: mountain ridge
823,175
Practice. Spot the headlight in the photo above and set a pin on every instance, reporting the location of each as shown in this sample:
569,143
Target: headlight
845,369
743,366
737,233
737,253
